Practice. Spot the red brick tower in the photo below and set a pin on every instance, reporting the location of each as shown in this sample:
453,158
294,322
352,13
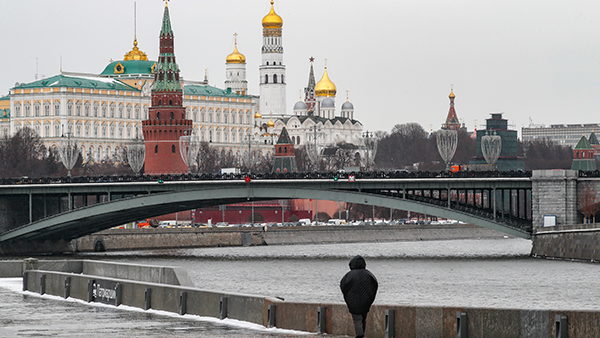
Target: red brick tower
309,91
166,121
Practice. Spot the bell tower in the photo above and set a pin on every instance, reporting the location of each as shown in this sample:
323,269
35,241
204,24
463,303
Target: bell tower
272,69
166,121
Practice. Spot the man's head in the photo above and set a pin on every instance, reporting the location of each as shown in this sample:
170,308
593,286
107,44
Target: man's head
357,263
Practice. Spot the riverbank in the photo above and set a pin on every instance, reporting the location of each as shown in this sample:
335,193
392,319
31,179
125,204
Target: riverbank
117,285
170,238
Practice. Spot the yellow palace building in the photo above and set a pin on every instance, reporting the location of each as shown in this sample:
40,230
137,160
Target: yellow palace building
103,112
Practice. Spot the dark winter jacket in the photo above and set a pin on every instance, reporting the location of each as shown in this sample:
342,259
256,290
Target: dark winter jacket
359,286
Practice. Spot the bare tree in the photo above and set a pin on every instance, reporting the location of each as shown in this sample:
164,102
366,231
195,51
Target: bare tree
544,153
302,161
22,155
207,158
589,203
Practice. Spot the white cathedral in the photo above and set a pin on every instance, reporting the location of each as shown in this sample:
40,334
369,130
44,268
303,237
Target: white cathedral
313,120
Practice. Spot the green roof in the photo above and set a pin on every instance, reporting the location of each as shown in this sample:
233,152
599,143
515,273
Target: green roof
166,26
5,98
583,144
284,137
77,82
593,139
208,91
133,67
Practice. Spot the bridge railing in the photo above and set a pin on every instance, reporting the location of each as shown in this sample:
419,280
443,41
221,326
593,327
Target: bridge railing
505,217
278,176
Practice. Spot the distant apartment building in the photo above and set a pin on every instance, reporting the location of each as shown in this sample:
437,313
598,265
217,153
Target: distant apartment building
563,134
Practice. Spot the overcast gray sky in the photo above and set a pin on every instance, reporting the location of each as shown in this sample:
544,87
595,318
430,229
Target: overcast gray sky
529,59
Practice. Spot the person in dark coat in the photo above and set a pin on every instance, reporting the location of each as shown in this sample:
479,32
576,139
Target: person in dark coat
359,287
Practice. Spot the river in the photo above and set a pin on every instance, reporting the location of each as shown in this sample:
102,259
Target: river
496,273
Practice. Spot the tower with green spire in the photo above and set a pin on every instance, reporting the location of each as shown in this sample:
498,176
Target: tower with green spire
583,156
285,156
166,121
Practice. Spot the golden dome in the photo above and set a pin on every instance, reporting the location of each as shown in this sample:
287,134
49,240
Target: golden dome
257,115
325,87
136,54
451,94
270,124
235,57
272,20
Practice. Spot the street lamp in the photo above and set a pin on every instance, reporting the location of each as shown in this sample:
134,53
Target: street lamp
491,147
314,133
250,139
189,146
370,145
68,152
447,142
136,153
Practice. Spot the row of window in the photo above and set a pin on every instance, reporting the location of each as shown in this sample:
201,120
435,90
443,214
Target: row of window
126,112
87,131
86,110
100,154
274,79
226,117
582,154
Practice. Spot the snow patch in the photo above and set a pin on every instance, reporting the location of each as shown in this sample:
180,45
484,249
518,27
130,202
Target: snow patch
16,285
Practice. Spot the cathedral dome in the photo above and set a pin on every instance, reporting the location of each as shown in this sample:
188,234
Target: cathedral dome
300,105
272,20
325,87
327,103
257,115
236,57
451,94
270,124
347,105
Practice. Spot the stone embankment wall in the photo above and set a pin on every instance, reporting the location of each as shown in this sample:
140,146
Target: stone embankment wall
383,321
166,238
137,272
357,234
145,239
572,242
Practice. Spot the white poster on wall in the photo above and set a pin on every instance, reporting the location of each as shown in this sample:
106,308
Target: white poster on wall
549,220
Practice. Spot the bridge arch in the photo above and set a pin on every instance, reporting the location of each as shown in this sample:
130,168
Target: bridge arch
98,217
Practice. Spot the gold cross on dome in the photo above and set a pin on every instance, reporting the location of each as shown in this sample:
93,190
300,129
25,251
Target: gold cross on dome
235,36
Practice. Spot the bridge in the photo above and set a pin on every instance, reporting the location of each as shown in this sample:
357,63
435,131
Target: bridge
47,215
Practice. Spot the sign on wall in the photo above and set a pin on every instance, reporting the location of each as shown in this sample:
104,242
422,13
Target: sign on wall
106,292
